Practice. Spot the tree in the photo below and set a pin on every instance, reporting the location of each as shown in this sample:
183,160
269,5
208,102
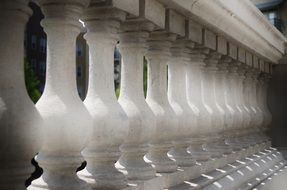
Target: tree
32,83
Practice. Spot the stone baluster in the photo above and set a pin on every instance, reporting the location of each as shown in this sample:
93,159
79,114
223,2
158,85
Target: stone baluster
267,114
256,74
193,92
259,112
219,89
133,36
233,88
194,95
166,121
67,123
178,100
237,90
263,95
260,101
246,111
217,113
248,93
268,77
226,95
221,92
20,122
110,122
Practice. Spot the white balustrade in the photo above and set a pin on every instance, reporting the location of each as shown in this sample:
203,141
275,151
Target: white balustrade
110,122
20,122
201,125
262,88
178,100
259,112
166,121
246,111
67,123
232,83
226,110
133,36
216,112
262,99
248,91
194,95
225,95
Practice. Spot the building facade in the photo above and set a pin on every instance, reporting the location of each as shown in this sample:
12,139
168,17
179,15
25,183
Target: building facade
275,11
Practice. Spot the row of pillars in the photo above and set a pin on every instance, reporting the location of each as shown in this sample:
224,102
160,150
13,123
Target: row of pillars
200,104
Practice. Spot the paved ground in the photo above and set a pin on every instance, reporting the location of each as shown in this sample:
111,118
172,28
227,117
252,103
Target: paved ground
275,182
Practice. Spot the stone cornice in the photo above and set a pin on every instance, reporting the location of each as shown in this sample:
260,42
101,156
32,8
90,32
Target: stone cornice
238,20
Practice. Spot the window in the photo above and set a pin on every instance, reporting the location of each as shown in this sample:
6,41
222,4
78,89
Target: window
43,45
79,50
79,71
274,19
34,42
42,68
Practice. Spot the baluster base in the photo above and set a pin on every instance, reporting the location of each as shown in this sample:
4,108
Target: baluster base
157,157
59,173
100,171
13,177
197,151
180,155
132,164
109,180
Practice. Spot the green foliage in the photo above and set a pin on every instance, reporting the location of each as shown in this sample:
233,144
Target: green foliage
117,92
32,83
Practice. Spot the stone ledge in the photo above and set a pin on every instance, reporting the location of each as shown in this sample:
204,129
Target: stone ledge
215,170
263,176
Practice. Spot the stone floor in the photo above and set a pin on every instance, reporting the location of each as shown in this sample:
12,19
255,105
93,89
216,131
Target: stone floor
278,181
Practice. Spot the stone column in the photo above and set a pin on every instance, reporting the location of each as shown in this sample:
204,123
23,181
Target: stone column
20,122
261,98
244,117
67,123
166,120
226,96
240,96
178,100
194,95
216,112
133,47
259,112
248,100
265,78
220,89
235,89
110,122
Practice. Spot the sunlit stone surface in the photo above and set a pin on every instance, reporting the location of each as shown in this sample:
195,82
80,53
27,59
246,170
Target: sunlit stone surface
201,126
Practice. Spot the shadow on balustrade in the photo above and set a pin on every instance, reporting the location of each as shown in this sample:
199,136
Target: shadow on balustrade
38,171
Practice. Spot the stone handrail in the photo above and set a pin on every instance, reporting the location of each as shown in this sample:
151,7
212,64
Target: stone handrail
235,19
201,125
